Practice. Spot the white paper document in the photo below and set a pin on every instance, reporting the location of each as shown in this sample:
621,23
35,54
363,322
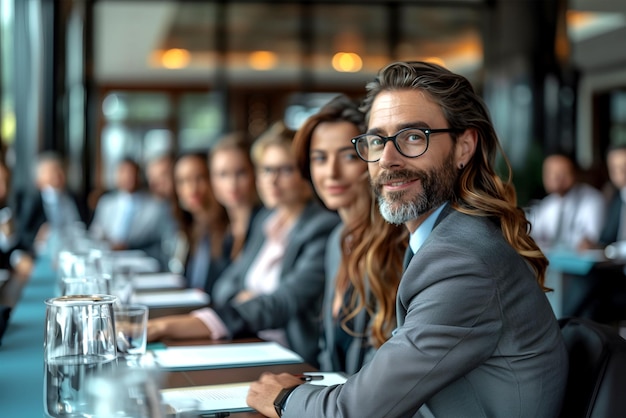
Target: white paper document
136,264
229,397
158,281
172,298
225,355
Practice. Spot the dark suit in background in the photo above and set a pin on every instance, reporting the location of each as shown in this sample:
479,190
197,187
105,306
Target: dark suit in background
613,220
600,295
33,213
212,269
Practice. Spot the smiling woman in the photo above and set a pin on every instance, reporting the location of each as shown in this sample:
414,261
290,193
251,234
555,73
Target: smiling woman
364,253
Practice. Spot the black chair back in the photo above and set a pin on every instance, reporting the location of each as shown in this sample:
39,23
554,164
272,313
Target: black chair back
596,385
5,312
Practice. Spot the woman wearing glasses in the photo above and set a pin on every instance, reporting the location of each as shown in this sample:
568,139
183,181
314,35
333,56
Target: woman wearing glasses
364,254
274,290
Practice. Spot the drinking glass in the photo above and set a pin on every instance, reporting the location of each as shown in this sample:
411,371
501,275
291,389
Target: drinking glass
131,325
79,343
122,286
84,286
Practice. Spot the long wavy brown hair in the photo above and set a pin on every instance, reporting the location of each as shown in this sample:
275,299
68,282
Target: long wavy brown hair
371,249
479,190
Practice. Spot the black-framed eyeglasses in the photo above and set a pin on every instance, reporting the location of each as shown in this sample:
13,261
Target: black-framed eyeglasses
410,142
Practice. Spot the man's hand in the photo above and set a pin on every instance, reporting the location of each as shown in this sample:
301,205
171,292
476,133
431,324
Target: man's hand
24,267
263,392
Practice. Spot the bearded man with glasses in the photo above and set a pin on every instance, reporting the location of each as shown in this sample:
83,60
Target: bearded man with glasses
476,336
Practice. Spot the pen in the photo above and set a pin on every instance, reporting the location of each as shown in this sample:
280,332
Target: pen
215,415
309,377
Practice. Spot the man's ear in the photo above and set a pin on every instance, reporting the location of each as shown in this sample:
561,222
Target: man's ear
466,147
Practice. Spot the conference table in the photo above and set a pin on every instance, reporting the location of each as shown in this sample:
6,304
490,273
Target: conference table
22,366
571,273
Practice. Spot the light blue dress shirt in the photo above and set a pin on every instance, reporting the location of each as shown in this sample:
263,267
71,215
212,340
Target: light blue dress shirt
423,231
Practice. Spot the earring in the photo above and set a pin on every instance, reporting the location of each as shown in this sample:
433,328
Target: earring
461,166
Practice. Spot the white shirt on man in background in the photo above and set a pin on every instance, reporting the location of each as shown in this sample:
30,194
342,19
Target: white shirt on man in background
564,221
572,213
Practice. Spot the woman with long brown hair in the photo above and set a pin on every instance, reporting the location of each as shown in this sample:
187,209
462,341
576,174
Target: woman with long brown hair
203,222
364,253
233,183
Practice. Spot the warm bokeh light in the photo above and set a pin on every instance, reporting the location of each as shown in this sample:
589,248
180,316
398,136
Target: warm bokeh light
175,58
262,60
7,127
347,62
436,60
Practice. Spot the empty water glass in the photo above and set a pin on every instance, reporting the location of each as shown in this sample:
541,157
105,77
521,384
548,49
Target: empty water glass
79,342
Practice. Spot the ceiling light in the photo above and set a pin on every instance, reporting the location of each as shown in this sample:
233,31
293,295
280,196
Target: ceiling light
262,60
175,58
585,25
347,62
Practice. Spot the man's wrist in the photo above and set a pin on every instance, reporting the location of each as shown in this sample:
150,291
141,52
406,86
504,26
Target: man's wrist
281,399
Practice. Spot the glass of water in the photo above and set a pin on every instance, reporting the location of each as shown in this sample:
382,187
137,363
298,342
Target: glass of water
79,344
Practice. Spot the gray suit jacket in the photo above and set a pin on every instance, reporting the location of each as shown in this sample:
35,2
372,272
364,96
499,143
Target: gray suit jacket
359,351
295,306
476,337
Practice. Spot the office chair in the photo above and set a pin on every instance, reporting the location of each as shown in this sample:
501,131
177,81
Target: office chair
5,312
596,385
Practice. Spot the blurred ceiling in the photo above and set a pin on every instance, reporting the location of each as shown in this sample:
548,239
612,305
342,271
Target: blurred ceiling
136,41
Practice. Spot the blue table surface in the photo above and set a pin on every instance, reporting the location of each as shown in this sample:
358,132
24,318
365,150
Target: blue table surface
574,262
21,352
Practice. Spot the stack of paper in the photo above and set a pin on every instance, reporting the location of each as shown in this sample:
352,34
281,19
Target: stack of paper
172,298
228,398
151,281
136,264
225,355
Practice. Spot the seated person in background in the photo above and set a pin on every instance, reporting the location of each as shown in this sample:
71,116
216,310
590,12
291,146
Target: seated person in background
597,295
476,336
364,253
216,208
274,290
234,186
8,236
614,226
571,213
46,211
160,176
131,218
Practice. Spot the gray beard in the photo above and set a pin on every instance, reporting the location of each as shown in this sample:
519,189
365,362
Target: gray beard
437,184
399,214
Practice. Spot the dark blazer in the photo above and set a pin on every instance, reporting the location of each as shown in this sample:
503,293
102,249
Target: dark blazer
359,350
217,266
31,215
612,220
476,337
296,305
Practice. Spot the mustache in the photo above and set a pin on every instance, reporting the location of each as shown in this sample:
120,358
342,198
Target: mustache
391,176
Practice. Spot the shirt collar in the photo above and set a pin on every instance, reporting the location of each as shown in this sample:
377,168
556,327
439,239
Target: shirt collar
421,233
